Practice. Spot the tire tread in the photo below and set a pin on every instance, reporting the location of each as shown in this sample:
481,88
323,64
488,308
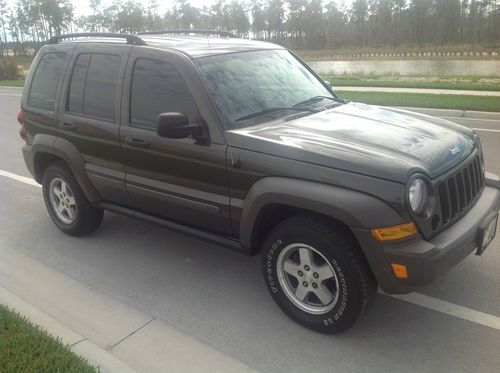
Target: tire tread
344,239
90,217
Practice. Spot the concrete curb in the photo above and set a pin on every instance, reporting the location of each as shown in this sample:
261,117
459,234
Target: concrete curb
94,354
449,113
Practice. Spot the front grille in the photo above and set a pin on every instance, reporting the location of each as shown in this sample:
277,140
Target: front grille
458,192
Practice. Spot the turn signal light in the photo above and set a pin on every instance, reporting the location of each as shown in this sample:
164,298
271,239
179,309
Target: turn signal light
399,270
396,232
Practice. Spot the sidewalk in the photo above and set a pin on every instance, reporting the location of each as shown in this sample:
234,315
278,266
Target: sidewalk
418,90
107,332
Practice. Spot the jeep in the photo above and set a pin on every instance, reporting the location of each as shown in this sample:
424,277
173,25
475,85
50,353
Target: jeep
240,143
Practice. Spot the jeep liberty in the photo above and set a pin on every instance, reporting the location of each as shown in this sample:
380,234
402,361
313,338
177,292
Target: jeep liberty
240,143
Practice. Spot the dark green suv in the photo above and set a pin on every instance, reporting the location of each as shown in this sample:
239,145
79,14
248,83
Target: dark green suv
240,143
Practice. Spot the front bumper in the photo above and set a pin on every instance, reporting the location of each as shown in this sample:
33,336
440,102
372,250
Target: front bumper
427,260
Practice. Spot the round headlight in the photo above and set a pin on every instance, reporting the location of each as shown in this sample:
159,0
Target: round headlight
417,195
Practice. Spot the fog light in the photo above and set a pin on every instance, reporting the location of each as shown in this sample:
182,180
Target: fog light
395,233
399,270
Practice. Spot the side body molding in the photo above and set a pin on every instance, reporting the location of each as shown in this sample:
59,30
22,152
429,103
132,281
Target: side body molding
355,209
67,151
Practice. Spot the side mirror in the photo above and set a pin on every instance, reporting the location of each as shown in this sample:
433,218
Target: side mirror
176,126
328,84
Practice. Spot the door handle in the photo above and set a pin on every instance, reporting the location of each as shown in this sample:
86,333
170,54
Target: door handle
137,143
68,126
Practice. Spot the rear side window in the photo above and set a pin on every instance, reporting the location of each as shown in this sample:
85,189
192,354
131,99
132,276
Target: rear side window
93,85
44,85
158,87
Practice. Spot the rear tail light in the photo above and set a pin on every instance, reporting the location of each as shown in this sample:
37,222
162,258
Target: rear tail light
22,130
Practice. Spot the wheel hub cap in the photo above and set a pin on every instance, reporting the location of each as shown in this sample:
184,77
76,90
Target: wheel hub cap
307,278
62,200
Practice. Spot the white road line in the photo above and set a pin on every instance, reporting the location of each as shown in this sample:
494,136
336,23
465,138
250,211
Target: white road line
451,309
415,298
9,94
485,130
22,179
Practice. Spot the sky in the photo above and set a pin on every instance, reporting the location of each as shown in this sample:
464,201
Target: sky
82,7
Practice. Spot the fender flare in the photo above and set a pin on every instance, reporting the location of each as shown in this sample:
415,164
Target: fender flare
69,153
353,208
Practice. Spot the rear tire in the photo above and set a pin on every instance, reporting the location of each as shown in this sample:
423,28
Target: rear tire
66,203
315,271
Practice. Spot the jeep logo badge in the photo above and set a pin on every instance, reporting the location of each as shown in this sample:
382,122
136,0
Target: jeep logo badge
455,150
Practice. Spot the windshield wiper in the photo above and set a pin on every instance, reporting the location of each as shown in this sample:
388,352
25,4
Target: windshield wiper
270,110
314,99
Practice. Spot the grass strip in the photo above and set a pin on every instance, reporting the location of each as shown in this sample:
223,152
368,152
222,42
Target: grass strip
402,83
12,83
27,348
435,101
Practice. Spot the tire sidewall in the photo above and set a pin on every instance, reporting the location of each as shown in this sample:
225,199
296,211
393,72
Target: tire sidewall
63,174
348,306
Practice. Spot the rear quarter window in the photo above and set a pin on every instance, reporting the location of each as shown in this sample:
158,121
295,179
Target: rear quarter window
46,80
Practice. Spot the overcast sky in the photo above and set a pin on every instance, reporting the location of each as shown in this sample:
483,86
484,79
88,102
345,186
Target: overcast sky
82,7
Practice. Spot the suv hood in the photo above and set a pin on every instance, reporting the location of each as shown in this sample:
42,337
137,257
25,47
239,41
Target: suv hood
381,142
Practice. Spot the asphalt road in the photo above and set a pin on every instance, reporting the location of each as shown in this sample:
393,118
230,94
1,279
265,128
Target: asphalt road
219,297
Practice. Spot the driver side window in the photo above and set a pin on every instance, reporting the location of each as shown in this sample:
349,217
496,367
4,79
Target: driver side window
158,87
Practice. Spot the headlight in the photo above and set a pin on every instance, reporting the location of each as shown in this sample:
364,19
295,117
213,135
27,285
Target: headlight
417,195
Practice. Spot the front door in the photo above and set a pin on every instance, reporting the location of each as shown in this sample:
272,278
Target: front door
178,179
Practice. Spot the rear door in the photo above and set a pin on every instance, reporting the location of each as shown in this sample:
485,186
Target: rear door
90,116
178,179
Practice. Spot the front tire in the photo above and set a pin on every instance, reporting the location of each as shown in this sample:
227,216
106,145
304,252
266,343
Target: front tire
66,203
315,271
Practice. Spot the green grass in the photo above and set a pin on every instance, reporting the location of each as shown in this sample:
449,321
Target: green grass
462,83
27,348
461,102
12,83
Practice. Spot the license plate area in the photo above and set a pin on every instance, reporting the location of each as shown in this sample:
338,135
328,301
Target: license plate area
487,232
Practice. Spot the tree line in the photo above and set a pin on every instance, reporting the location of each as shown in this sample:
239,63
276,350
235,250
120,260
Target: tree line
298,24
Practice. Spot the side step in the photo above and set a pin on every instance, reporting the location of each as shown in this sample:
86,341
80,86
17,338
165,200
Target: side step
227,242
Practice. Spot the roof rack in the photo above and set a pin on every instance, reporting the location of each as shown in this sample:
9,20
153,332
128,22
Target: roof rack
131,39
224,34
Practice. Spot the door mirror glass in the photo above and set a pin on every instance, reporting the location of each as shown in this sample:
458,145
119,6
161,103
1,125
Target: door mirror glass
176,126
328,84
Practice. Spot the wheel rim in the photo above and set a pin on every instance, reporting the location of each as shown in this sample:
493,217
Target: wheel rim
307,278
62,200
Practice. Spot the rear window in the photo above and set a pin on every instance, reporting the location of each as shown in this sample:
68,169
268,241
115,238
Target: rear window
93,85
44,85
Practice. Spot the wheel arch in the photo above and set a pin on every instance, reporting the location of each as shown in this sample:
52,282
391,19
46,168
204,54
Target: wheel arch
272,199
46,149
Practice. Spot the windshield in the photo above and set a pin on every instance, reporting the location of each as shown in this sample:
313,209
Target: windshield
252,87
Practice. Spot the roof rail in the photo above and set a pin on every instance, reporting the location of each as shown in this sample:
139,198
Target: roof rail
224,34
131,39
